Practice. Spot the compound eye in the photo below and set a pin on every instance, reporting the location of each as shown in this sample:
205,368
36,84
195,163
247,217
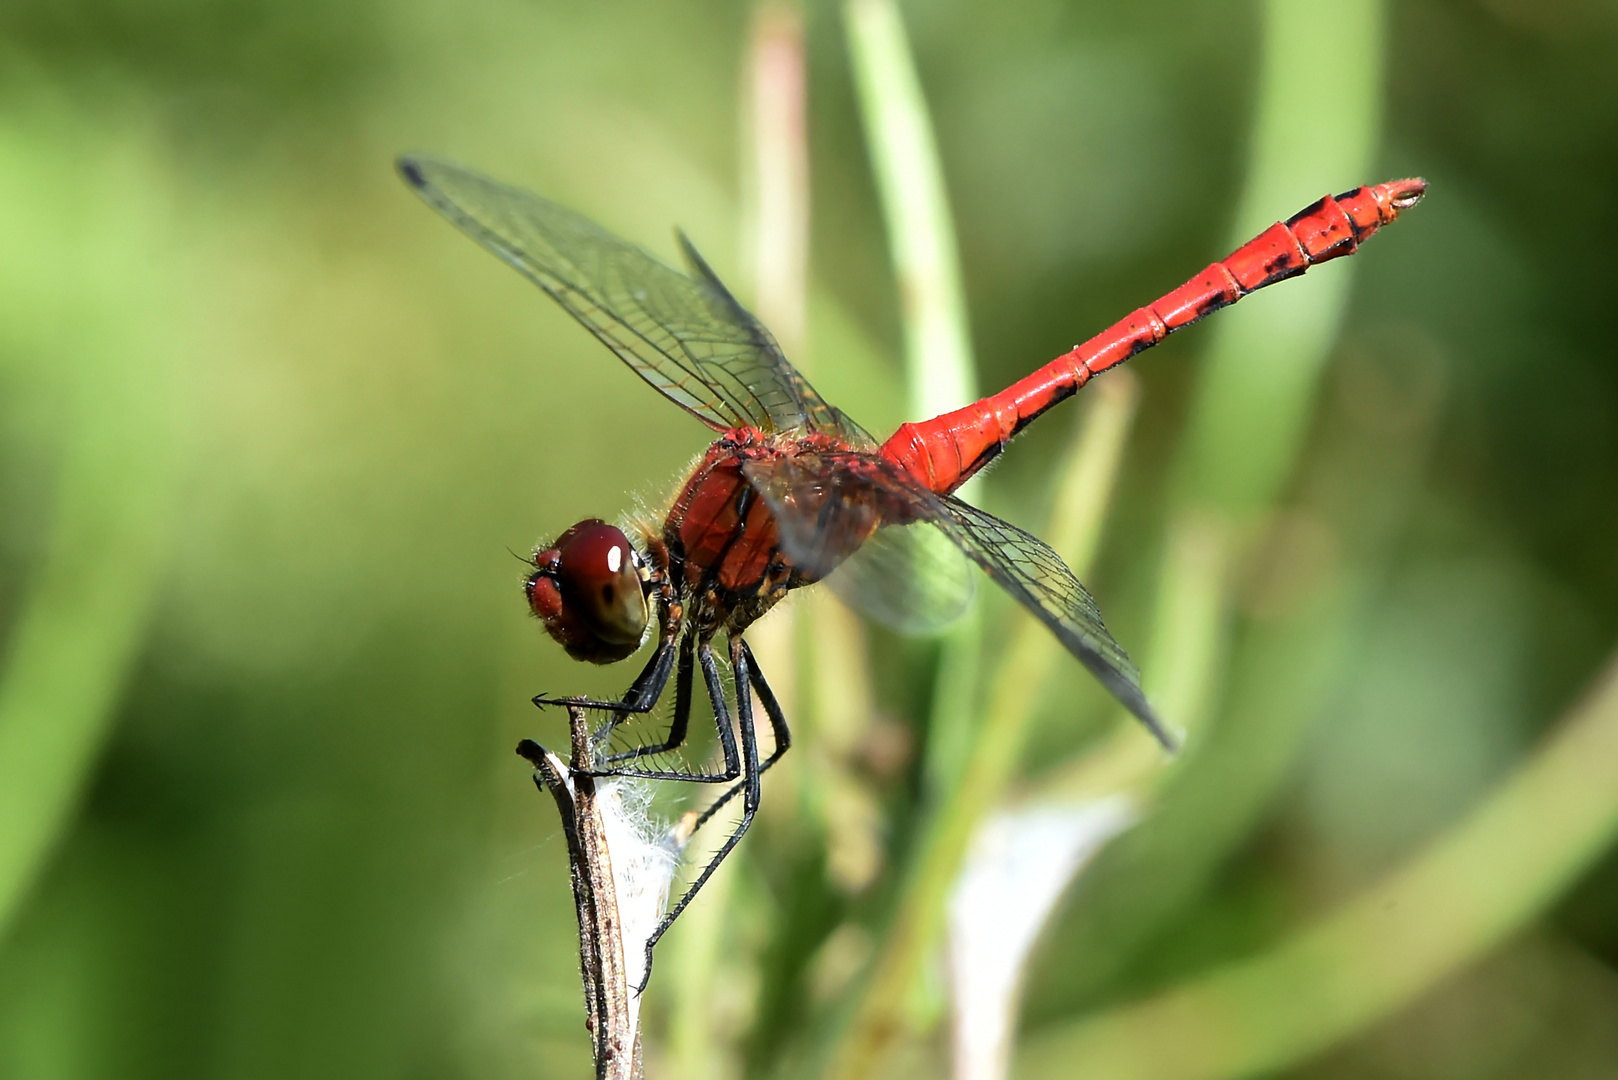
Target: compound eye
599,576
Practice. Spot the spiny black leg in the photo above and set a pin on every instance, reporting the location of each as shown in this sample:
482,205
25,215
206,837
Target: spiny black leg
681,721
740,659
772,709
721,715
778,728
642,694
727,737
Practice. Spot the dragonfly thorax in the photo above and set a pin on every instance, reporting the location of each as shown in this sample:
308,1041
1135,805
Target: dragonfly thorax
589,589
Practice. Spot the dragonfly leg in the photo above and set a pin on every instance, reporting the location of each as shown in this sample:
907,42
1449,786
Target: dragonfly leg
642,694
727,738
680,723
741,663
778,728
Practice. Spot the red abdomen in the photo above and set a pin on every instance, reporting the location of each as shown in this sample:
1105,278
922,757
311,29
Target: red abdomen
943,452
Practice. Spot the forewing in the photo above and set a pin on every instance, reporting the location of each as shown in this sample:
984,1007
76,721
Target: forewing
909,578
820,500
1029,570
687,336
772,380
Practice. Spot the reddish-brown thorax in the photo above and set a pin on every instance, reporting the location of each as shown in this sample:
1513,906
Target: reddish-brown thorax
724,534
723,540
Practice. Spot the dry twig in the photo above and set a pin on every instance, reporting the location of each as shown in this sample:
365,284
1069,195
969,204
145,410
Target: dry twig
612,1022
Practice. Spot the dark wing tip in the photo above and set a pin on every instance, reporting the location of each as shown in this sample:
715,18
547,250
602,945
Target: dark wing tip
410,168
1130,696
693,258
1125,688
1159,730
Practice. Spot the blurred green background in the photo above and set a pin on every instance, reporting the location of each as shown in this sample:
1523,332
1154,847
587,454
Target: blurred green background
268,428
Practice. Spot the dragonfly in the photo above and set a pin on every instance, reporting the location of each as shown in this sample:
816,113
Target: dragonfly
793,491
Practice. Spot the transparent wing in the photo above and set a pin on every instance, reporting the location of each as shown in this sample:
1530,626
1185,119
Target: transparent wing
909,578
686,335
1029,570
823,501
837,523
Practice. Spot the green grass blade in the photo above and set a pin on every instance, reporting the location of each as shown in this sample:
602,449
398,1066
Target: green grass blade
1471,888
80,624
915,208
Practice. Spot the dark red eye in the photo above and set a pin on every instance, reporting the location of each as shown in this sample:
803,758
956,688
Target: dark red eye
589,593
593,553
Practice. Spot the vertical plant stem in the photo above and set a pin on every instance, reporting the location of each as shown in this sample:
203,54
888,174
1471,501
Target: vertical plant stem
939,371
1086,484
939,374
776,222
915,208
777,94
777,218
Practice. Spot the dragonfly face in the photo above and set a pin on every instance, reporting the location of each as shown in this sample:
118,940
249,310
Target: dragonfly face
589,589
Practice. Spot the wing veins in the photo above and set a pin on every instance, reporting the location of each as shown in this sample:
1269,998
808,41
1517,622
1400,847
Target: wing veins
1019,562
682,333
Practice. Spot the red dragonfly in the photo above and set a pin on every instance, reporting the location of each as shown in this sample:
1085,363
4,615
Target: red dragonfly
792,489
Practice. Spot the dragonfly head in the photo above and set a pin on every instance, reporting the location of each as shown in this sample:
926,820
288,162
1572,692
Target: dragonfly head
589,589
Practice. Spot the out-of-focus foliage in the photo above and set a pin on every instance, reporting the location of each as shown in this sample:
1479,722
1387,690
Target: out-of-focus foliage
268,426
